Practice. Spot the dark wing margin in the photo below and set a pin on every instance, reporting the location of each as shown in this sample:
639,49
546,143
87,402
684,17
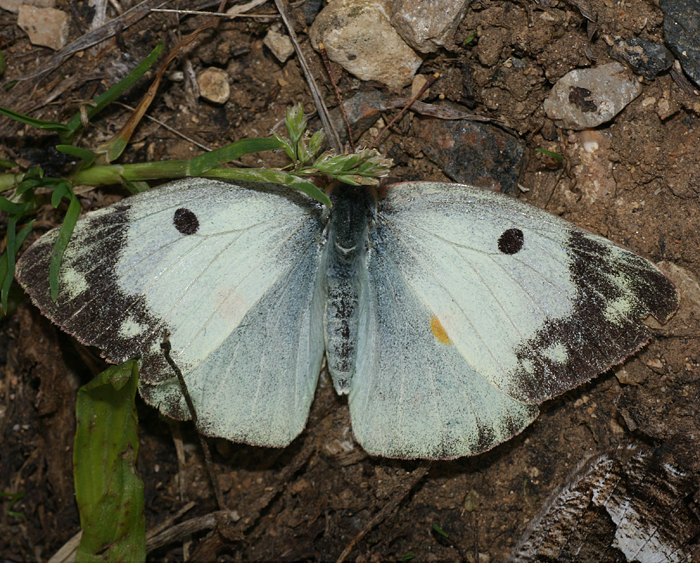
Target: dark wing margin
85,314
616,291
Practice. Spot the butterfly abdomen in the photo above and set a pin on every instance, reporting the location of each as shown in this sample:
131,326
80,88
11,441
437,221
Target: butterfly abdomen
347,247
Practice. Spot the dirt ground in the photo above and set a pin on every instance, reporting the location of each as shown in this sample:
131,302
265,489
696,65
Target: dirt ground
323,496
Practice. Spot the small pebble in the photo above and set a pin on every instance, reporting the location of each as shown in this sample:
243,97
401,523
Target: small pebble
213,85
279,44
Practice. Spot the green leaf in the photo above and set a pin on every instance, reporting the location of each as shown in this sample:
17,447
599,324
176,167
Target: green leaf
87,157
8,259
9,262
108,490
135,187
296,126
112,94
41,124
59,247
11,208
60,191
549,153
438,530
208,160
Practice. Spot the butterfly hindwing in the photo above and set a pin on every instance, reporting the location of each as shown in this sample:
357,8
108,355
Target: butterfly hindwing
476,307
230,274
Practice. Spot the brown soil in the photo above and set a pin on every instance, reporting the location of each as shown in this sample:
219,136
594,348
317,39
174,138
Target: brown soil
308,502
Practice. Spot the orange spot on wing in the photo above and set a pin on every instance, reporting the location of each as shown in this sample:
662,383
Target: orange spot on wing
439,331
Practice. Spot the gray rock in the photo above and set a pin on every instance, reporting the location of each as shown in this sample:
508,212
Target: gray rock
682,30
358,35
645,57
429,24
585,98
473,152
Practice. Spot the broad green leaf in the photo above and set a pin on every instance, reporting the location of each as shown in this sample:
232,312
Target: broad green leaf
64,234
108,489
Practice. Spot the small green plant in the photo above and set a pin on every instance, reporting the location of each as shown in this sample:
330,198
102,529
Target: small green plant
12,498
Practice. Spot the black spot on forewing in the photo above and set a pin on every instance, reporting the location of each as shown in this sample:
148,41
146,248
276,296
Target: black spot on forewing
95,315
186,221
605,326
511,241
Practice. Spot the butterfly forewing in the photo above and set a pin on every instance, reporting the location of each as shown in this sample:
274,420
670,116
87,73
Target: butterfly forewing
230,274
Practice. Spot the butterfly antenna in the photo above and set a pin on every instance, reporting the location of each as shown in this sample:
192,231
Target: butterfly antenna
338,95
166,347
431,80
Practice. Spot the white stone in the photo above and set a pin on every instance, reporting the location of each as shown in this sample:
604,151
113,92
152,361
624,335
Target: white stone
213,85
47,27
280,45
358,35
586,98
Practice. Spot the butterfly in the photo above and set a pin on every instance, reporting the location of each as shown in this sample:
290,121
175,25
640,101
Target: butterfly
445,312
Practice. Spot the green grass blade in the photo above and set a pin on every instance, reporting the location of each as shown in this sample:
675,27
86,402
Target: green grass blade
107,488
41,124
209,160
110,95
9,262
8,258
61,244
87,157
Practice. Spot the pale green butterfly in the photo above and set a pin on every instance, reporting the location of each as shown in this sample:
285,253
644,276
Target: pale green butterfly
446,312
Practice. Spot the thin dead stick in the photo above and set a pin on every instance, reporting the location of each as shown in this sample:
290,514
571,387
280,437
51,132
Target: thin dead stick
336,92
165,347
323,114
434,77
167,127
385,512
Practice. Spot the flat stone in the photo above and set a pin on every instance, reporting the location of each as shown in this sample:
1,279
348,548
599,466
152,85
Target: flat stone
358,35
645,57
586,98
682,31
213,85
47,27
474,153
13,5
429,24
279,44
